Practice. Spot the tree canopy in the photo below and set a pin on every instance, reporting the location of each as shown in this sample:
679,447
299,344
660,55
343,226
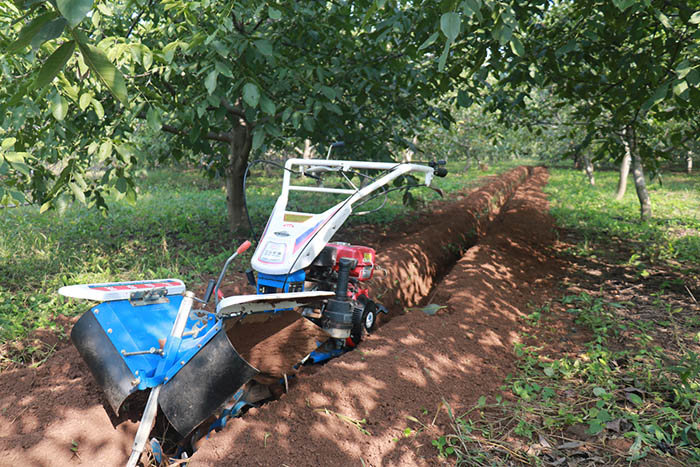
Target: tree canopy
221,79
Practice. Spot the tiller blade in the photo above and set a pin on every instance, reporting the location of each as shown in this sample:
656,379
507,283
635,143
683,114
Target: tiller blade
122,344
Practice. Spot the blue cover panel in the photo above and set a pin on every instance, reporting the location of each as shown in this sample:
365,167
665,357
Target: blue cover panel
281,280
138,328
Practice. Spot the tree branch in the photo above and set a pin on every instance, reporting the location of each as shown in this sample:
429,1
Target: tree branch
223,137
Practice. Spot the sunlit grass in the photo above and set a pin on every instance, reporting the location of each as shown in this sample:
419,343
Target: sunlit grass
673,233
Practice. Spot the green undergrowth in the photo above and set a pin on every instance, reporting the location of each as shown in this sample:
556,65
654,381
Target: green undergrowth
622,397
624,384
672,235
176,228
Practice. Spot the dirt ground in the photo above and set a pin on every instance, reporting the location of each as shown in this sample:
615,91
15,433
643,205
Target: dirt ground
484,262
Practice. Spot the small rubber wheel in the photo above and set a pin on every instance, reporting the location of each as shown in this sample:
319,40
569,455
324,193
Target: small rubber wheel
364,320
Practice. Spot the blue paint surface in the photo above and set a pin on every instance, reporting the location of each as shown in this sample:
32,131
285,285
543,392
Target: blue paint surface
137,328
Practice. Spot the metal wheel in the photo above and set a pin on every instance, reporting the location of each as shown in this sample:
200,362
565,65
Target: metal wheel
364,319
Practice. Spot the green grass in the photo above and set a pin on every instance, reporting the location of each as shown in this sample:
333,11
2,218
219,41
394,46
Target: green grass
673,233
177,228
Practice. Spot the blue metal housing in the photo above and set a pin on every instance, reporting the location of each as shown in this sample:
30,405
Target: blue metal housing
282,282
138,328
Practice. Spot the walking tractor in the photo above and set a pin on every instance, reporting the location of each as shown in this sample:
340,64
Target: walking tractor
156,335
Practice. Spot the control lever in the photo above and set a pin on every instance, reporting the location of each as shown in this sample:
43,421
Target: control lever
244,246
210,289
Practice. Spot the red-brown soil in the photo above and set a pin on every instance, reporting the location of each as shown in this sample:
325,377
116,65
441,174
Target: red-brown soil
412,364
56,415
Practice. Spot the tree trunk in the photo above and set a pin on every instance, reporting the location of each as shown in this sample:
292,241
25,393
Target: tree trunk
689,162
239,151
639,183
588,165
408,153
307,149
624,170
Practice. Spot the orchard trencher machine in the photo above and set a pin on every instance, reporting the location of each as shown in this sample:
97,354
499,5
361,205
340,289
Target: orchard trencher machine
153,334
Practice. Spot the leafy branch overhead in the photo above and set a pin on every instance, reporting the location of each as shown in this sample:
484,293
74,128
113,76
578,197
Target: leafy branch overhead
224,80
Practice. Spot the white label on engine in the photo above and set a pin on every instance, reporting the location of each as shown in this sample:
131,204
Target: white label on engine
273,252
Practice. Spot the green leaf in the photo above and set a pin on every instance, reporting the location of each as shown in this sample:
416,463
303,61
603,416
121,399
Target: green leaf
680,87
622,5
153,119
267,106
59,107
658,96
77,192
210,81
50,31
549,371
472,7
273,13
516,46
146,57
595,427
443,57
84,101
121,185
258,138
80,180
104,9
464,99
15,157
683,69
251,94
633,398
566,48
429,41
54,64
7,143
264,46
99,110
74,10
30,30
664,20
328,92
105,71
309,123
695,18
223,69
598,391
481,402
105,151
450,25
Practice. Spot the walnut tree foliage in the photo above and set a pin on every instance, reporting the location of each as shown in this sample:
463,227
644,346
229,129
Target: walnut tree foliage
223,80
220,79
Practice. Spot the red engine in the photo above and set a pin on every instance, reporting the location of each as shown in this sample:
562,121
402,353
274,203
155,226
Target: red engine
363,256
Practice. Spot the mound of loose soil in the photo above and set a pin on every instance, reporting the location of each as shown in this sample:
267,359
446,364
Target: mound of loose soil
56,415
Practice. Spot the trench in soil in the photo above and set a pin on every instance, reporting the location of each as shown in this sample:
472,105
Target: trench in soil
421,256
57,415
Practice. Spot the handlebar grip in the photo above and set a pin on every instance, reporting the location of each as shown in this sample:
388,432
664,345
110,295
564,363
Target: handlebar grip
440,172
244,246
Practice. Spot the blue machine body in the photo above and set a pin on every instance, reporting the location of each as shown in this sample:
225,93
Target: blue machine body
281,282
138,328
273,283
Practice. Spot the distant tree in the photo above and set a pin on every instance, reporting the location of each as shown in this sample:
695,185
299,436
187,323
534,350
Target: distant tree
624,65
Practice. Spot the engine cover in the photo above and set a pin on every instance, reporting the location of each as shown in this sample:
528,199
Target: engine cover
362,256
